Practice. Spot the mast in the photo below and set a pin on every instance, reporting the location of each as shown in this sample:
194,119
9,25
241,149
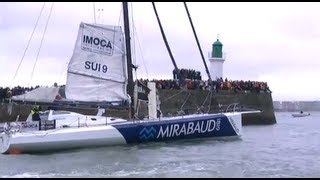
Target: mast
130,87
166,42
195,35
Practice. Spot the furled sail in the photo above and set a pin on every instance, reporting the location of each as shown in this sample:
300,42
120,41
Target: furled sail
97,69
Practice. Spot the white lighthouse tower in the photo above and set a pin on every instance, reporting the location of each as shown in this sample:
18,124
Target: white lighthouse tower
216,60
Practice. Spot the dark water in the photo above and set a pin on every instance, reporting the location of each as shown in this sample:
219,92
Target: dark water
290,148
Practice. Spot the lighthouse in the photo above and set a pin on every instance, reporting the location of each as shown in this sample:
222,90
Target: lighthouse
216,60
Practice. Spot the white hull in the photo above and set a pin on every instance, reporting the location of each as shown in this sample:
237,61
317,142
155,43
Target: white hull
300,115
117,133
57,139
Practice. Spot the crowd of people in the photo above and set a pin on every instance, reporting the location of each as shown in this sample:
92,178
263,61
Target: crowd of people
216,85
187,74
191,79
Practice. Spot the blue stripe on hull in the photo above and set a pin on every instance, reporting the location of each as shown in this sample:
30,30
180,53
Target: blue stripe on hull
183,128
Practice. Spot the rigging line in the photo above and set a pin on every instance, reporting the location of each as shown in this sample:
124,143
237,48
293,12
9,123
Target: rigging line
210,102
133,41
24,53
195,35
208,95
94,13
139,46
164,38
206,98
185,100
100,15
143,61
44,32
119,21
173,95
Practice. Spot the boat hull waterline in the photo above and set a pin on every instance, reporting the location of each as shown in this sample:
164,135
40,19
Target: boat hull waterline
165,129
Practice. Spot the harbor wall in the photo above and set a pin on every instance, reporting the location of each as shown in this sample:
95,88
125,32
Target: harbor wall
175,102
190,100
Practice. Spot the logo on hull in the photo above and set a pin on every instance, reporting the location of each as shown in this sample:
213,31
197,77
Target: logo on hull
179,129
147,133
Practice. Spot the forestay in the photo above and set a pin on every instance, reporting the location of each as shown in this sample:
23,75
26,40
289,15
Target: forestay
97,69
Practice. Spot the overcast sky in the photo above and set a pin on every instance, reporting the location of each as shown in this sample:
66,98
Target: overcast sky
273,42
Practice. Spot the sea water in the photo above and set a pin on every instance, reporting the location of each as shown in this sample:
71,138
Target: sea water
290,148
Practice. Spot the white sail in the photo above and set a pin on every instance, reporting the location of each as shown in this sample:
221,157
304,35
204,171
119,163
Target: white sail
97,69
40,94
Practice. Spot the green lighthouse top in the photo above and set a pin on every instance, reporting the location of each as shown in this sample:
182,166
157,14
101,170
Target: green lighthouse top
217,42
217,49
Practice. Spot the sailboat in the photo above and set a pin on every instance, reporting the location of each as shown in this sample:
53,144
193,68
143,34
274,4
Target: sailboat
100,74
300,114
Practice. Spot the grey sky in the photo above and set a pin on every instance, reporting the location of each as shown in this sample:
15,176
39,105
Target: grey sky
272,42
